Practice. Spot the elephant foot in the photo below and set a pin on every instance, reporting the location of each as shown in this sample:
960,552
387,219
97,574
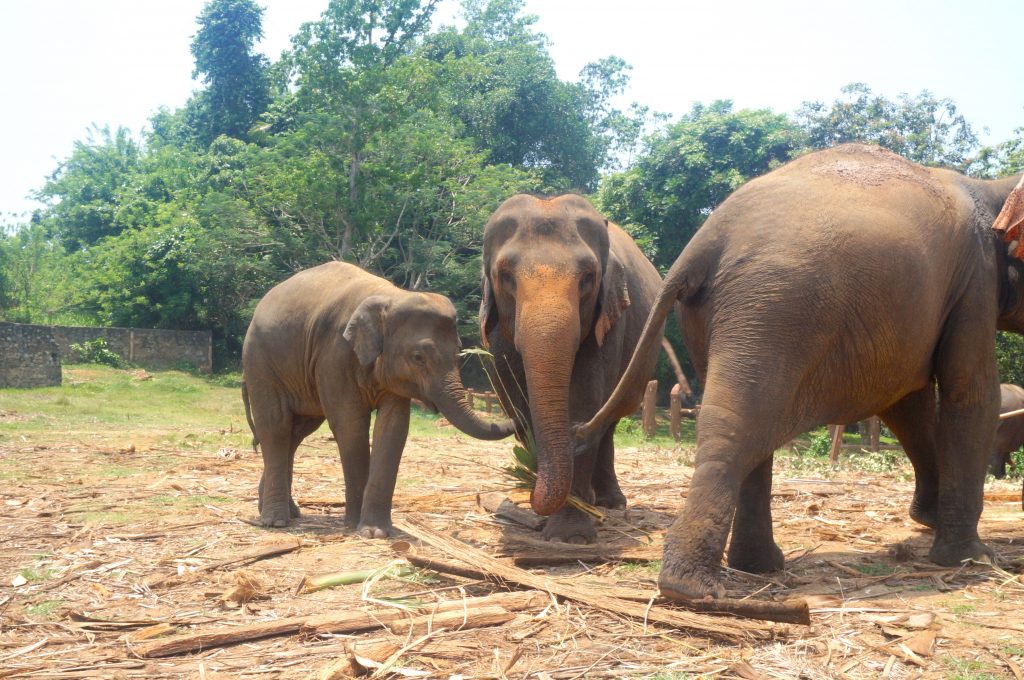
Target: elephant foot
953,553
276,516
756,560
689,585
614,499
374,530
570,525
293,508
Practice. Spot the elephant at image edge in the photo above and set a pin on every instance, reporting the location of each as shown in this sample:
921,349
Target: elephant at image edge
335,342
1010,433
565,296
847,282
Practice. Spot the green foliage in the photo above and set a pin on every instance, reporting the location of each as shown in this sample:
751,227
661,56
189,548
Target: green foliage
237,86
97,352
1010,357
1015,469
685,171
923,128
821,444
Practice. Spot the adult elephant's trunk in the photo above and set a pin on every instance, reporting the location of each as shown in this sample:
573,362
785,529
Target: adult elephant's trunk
547,337
450,399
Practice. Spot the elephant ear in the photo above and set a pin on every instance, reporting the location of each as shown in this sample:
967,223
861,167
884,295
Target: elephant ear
488,311
1010,221
613,297
365,330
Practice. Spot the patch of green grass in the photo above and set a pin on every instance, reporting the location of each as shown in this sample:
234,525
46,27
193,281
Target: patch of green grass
43,610
923,588
35,574
875,569
967,669
962,609
105,399
170,500
630,432
1013,650
641,568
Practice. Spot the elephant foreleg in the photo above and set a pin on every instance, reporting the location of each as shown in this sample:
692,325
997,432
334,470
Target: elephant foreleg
753,547
913,420
389,435
570,525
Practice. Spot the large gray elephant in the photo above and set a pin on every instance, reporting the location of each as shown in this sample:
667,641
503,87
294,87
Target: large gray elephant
565,296
336,342
846,283
1010,433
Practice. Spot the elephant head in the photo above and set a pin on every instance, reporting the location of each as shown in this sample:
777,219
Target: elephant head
412,344
549,282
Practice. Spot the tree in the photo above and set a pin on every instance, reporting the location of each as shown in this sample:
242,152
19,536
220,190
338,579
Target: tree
89,190
237,87
922,128
500,82
684,171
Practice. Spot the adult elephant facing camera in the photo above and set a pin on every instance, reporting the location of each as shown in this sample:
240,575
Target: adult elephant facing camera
337,342
565,296
845,283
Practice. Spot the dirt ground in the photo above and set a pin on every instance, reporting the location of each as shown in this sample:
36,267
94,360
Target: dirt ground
93,525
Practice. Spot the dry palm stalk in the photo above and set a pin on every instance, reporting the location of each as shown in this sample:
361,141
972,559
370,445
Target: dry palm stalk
342,622
497,570
258,553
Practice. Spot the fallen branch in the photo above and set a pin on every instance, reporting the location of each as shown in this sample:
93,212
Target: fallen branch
342,622
793,611
499,571
257,553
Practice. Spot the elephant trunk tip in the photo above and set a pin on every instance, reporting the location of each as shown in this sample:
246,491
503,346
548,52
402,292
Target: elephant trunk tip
545,500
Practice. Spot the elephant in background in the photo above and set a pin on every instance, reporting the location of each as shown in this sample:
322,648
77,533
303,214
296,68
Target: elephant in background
565,295
764,290
335,342
1010,433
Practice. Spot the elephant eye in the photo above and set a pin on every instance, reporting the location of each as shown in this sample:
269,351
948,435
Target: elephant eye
586,281
507,281
419,357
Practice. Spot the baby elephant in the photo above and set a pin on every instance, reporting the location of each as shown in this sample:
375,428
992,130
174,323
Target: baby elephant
1010,433
335,342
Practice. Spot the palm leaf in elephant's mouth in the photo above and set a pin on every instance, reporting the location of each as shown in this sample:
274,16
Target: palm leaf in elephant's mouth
522,469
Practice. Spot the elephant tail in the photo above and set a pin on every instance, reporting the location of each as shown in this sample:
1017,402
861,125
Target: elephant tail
248,416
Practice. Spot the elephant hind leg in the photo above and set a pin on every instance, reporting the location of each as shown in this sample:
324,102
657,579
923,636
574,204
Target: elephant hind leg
733,443
752,547
302,427
913,420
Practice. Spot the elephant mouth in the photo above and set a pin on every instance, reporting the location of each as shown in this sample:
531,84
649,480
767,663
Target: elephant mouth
430,406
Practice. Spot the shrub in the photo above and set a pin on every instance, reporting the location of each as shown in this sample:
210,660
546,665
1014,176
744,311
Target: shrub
97,352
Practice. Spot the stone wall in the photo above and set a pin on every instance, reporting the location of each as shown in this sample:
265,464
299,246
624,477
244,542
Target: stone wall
31,354
29,357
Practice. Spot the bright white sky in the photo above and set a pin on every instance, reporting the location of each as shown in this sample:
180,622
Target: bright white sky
70,63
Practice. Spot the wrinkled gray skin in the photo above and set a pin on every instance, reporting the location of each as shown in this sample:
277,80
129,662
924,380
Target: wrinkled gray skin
847,282
1010,433
565,296
336,342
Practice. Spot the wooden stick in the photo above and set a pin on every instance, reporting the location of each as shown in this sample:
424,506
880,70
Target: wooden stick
793,611
258,553
342,622
499,571
1011,414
